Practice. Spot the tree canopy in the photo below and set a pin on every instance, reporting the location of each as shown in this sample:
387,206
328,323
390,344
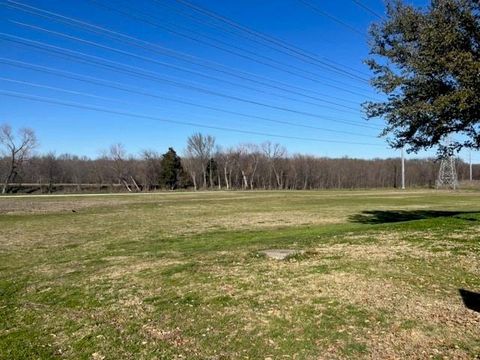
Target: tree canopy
427,63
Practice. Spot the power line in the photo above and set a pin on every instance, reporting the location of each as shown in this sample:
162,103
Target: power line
149,75
47,87
232,31
268,38
307,59
153,118
322,62
368,9
311,127
122,87
176,67
317,10
215,66
216,25
287,67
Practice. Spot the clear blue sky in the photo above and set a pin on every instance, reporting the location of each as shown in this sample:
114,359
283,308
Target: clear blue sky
84,132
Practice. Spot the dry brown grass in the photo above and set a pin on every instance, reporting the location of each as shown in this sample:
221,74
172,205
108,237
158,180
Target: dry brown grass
177,277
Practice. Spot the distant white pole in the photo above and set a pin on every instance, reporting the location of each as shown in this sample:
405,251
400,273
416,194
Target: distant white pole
470,159
403,169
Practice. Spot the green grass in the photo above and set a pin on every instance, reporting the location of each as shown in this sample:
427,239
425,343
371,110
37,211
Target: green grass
180,275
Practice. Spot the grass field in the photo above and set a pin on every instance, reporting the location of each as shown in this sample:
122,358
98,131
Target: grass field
180,276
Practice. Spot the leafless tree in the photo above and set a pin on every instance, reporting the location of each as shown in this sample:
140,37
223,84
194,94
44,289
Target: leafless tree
248,159
15,150
51,171
246,166
151,168
226,160
200,148
274,154
193,167
120,165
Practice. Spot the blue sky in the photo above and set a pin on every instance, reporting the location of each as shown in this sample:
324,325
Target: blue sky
317,98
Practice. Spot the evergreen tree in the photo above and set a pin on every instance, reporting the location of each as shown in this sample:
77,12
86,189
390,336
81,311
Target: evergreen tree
171,174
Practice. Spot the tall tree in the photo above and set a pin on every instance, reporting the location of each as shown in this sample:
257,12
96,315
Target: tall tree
191,165
172,171
120,166
226,160
16,150
248,159
427,62
200,147
274,154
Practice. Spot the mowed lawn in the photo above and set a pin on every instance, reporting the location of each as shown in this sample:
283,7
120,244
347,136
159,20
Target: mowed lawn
181,276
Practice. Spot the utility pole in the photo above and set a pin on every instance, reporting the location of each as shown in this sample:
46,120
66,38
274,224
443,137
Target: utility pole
471,169
403,169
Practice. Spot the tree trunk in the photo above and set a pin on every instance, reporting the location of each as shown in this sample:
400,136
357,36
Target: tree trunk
204,174
194,179
126,185
11,174
226,177
245,182
135,184
210,176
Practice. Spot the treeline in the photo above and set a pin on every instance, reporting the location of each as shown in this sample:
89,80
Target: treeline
204,165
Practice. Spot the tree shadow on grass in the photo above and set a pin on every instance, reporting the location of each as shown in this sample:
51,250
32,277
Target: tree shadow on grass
393,216
471,299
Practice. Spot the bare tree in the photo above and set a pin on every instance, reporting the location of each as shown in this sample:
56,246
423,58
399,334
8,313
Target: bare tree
227,160
200,148
51,170
151,168
247,166
249,157
274,154
192,167
118,156
15,150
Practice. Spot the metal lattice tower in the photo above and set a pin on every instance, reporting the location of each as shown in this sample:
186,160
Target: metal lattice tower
447,176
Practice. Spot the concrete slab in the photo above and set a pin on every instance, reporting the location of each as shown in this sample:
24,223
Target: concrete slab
280,254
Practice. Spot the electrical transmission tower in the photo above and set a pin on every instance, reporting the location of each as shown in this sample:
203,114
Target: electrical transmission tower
447,176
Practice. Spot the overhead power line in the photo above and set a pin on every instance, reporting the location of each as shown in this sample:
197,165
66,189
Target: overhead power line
119,86
54,101
226,47
323,61
179,68
232,31
319,11
123,102
292,49
201,19
148,75
162,50
252,56
368,9
297,55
